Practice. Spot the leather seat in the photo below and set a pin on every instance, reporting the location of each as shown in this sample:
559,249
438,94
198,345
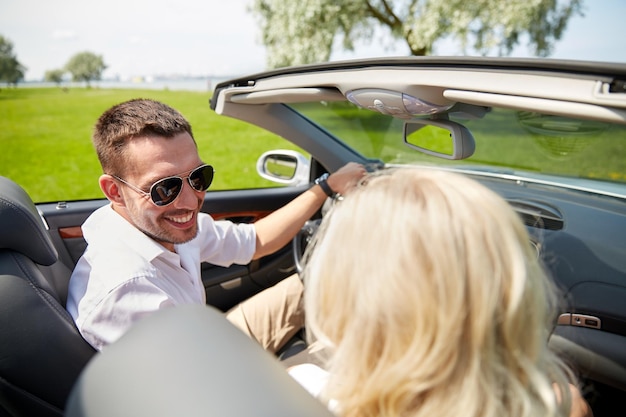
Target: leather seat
168,364
41,350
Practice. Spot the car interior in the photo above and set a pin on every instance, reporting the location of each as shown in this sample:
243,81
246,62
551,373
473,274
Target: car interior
577,223
41,351
565,113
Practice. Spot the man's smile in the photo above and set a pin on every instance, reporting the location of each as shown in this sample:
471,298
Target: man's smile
180,219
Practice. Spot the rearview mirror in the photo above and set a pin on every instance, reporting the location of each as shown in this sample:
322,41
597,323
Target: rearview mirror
440,137
284,167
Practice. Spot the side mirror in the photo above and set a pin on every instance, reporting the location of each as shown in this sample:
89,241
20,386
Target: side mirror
284,167
439,137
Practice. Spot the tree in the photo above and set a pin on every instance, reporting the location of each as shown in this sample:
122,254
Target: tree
85,66
306,31
11,71
54,76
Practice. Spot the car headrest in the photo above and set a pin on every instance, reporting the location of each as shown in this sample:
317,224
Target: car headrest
22,228
188,361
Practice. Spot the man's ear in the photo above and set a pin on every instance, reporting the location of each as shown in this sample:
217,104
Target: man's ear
111,189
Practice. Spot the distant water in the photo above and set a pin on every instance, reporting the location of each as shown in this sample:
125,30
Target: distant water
186,84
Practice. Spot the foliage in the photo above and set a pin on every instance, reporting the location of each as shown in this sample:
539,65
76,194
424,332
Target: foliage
54,76
85,66
306,31
11,71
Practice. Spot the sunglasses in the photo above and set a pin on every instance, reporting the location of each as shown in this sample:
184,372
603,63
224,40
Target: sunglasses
165,191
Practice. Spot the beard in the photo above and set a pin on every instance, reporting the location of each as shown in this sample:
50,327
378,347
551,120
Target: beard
160,230
163,236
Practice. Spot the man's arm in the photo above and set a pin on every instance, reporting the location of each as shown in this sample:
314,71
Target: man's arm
278,228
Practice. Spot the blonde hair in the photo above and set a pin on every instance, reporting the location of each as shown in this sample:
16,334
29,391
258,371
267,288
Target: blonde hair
424,288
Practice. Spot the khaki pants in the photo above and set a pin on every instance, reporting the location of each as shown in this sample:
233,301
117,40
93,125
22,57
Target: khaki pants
273,316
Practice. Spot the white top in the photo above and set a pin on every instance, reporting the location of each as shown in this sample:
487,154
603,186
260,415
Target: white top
125,275
310,376
313,379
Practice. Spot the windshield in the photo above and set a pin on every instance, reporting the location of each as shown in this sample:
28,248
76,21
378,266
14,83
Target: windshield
507,141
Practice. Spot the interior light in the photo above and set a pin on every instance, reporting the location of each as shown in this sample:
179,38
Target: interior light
416,106
394,103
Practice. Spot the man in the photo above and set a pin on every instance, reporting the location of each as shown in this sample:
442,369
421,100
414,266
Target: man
144,249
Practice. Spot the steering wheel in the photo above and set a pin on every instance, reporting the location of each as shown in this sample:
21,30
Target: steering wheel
302,239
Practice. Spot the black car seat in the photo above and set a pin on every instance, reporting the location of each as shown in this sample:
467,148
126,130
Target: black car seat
41,350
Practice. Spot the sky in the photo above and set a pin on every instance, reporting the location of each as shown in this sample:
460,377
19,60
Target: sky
220,37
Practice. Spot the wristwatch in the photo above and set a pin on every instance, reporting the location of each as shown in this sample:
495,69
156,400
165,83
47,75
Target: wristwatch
321,181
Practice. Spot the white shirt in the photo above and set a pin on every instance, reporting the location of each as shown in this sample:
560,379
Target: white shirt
124,275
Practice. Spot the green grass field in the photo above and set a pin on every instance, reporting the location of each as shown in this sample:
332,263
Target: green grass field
45,139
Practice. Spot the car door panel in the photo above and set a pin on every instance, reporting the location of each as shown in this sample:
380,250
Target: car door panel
585,255
224,287
64,220
596,355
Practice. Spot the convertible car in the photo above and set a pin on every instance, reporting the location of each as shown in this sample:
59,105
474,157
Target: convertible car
547,135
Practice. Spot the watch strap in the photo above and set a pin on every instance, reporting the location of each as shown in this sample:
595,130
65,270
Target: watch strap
324,184
321,181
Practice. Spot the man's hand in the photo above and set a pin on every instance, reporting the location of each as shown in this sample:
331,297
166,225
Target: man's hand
346,178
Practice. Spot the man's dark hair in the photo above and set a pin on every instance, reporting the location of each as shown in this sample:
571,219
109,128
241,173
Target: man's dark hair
133,118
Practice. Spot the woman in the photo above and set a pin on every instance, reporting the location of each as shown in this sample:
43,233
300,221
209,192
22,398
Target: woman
429,300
